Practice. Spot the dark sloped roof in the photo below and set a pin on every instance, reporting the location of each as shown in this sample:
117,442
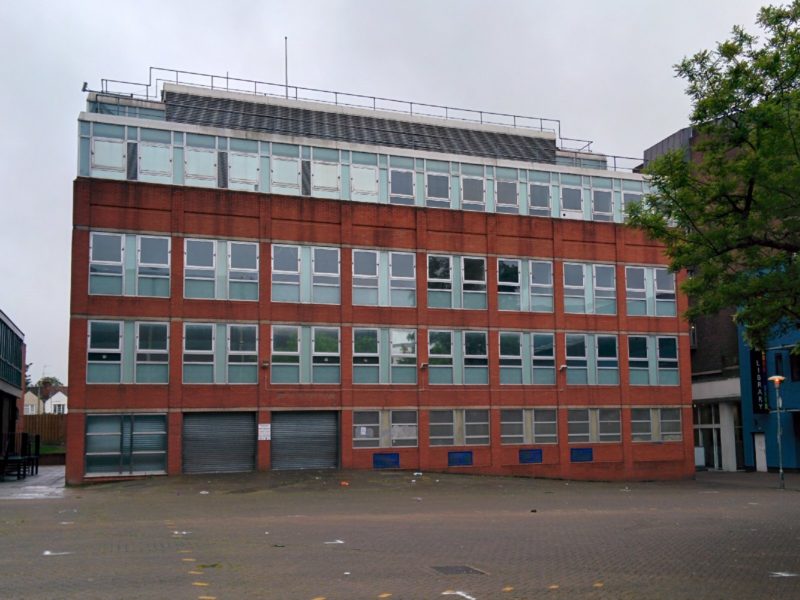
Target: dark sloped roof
296,121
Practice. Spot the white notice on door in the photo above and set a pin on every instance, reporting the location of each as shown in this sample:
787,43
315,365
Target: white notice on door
264,431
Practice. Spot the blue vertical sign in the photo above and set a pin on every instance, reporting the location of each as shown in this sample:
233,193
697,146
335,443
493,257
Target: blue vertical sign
758,382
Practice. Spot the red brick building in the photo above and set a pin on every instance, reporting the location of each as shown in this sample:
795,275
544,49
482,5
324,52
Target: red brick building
261,283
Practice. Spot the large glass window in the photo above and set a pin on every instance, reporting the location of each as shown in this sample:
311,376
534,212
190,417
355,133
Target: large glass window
638,360
472,193
198,353
384,428
106,263
402,279
602,205
403,355
285,273
242,354
539,200
437,190
508,284
650,291
511,357
476,358
544,358
326,355
152,266
366,355
473,282
200,269
476,427
325,264
507,198
440,281
441,430
528,426
376,285
365,277
607,360
104,352
668,361
242,271
577,359
541,286
665,293
593,425
152,353
401,186
571,202
285,354
440,355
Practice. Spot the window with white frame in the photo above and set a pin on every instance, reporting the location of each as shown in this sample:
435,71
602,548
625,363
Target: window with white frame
593,425
653,360
440,356
285,367
656,424
285,169
285,273
464,288
543,358
403,356
401,184
325,355
528,426
366,355
152,353
476,357
539,199
198,352
364,177
541,286
509,284
242,354
598,298
244,170
607,359
473,280
106,263
473,195
437,190
200,269
306,274
242,271
104,364
152,266
459,427
377,284
592,359
650,291
384,428
602,205
325,177
571,202
507,200
511,371
325,273
577,359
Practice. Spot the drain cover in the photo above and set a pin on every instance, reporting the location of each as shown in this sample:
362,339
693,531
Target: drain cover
458,570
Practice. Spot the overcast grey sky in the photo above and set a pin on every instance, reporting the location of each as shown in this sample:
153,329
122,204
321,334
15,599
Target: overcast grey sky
603,67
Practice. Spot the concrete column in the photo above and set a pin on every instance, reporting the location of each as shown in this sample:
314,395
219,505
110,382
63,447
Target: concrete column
727,436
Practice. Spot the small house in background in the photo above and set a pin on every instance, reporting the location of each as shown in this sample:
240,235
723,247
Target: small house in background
38,403
57,404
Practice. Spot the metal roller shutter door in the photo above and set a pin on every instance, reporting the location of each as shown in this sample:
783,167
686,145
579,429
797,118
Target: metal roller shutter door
219,442
305,440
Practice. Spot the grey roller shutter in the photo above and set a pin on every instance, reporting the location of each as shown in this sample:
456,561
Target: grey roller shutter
219,442
305,440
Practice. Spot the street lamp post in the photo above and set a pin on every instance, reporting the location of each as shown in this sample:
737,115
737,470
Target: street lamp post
777,380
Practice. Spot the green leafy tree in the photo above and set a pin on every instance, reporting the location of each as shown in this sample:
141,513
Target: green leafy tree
731,213
48,386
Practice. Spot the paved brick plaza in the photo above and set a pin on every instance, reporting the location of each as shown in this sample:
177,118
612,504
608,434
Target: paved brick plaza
306,536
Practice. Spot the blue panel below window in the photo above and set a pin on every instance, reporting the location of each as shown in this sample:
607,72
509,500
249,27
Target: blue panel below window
459,459
581,454
386,460
529,456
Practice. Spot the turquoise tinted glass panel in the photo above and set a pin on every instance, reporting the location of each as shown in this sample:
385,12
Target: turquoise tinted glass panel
668,377
103,373
152,373
439,299
542,303
544,376
198,373
325,374
475,300
508,302
199,289
640,377
607,376
109,131
440,375
285,293
103,443
285,373
404,374
158,136
665,308
286,150
243,290
103,464
476,375
111,286
200,141
605,306
148,286
325,294
637,307
366,374
404,298
243,373
510,376
577,376
238,145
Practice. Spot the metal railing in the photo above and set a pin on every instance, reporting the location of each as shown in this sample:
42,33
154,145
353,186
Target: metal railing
158,76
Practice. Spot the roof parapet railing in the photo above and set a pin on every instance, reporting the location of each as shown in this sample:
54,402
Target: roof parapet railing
158,76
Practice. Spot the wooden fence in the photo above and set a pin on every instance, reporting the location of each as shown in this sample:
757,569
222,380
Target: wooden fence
51,428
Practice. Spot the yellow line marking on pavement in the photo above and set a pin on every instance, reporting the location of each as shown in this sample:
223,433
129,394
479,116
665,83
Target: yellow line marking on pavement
508,588
200,583
385,595
189,559
319,598
184,551
206,598
196,573
599,584
552,587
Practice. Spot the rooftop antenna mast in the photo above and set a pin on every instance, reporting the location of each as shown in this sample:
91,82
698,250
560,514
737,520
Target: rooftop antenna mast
286,64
